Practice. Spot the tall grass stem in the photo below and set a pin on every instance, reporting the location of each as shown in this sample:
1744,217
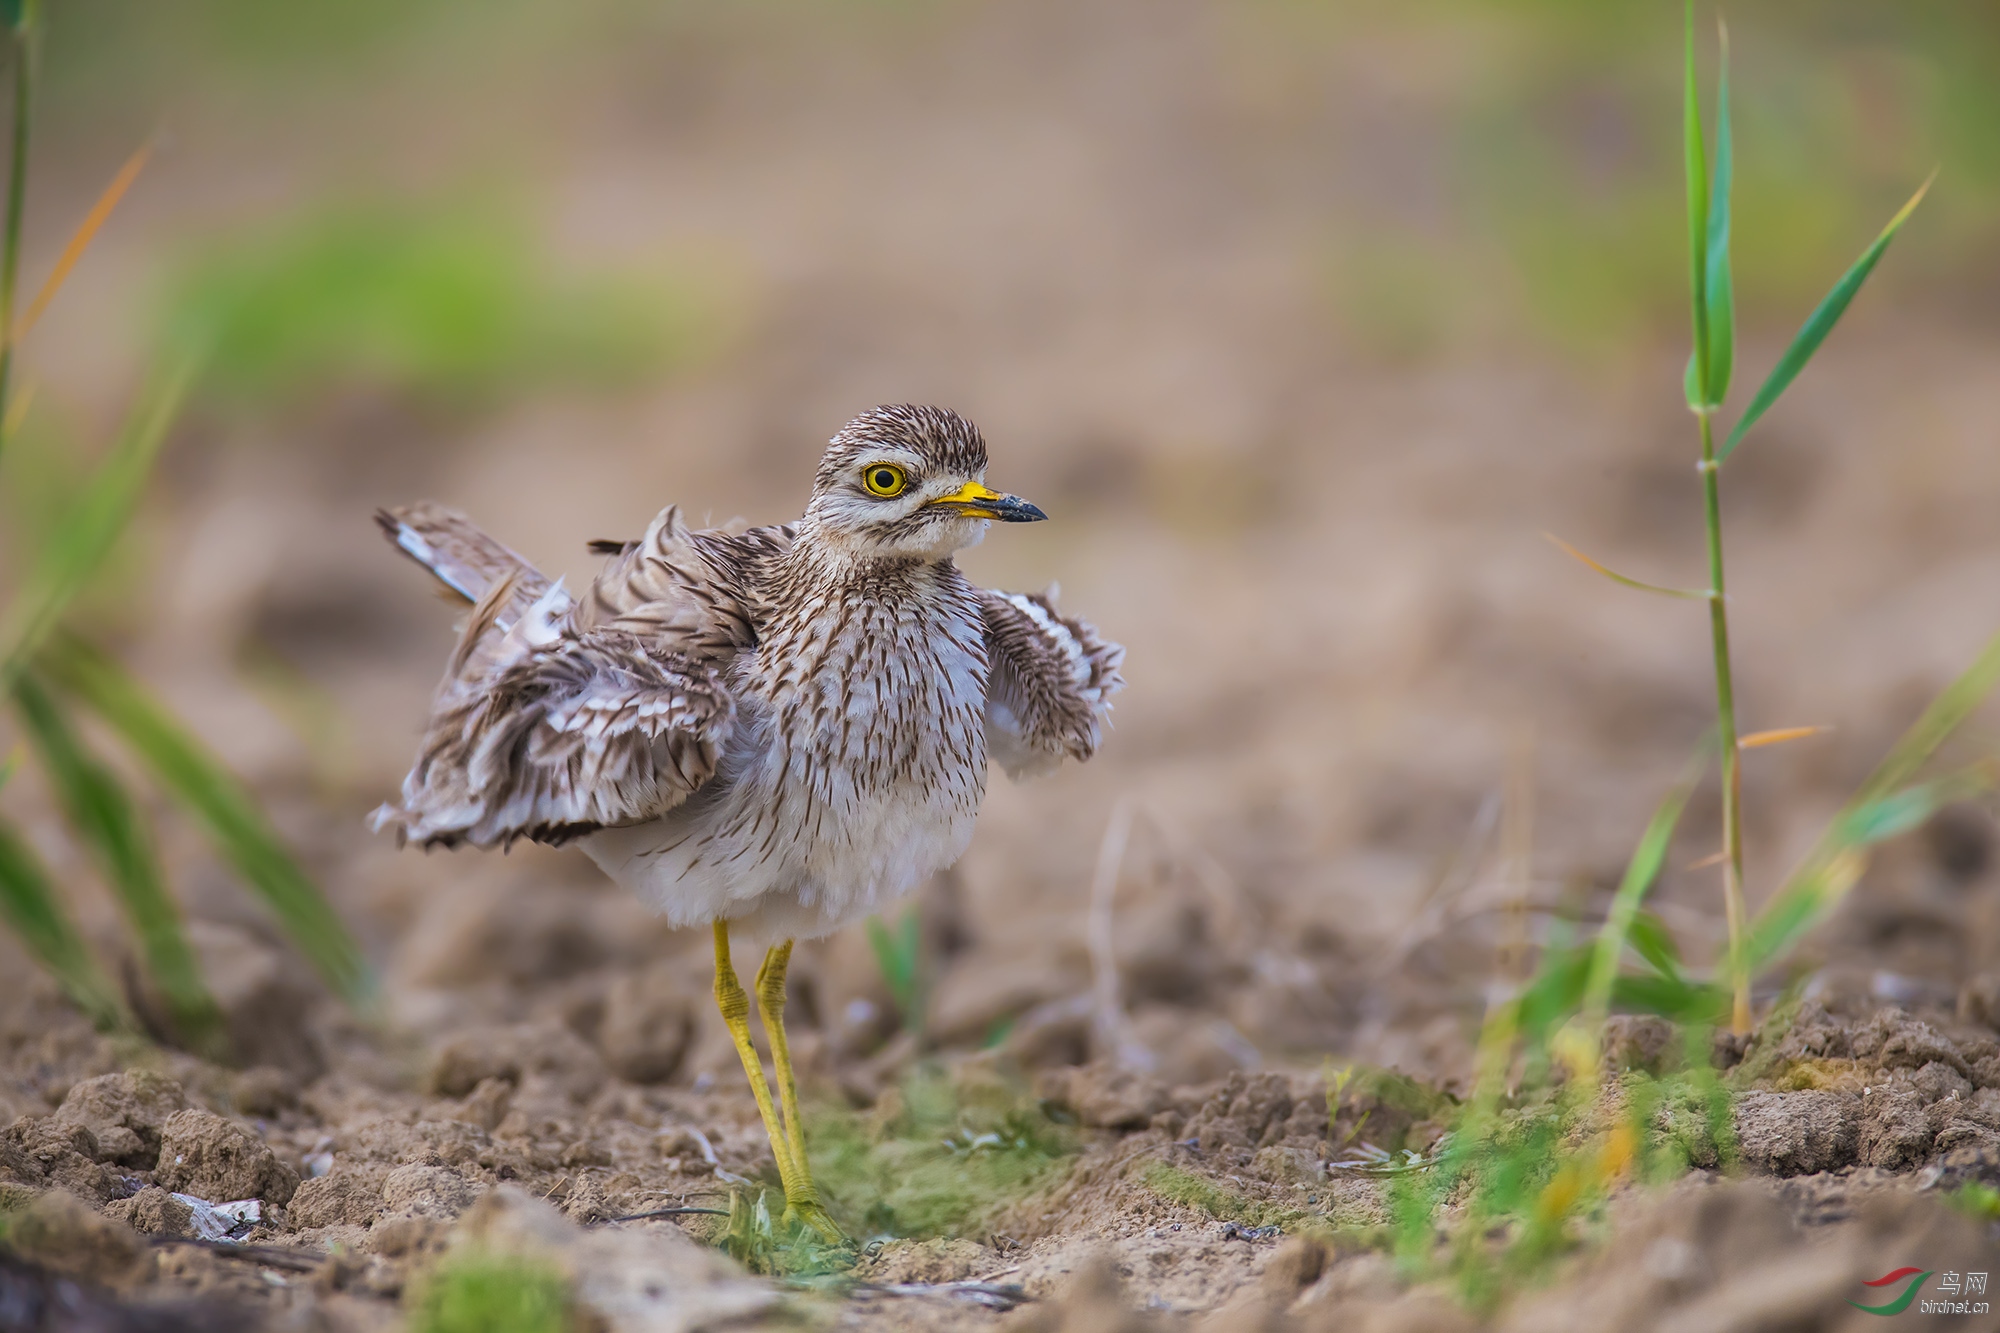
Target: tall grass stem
1725,723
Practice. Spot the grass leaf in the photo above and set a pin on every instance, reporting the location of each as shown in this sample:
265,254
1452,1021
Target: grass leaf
1836,861
1820,323
1684,1000
1757,740
1651,940
900,958
1696,170
1691,594
1909,809
28,902
85,535
104,819
80,240
186,769
1719,286
1640,874
1549,1000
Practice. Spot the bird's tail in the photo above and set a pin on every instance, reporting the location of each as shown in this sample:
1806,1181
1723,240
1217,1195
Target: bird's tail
464,559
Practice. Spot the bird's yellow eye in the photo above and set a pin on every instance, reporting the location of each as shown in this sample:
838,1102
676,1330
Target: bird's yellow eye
885,479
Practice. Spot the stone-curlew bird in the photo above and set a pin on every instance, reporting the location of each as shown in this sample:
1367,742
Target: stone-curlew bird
783,729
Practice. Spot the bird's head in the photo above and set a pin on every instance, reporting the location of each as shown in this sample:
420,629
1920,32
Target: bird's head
908,483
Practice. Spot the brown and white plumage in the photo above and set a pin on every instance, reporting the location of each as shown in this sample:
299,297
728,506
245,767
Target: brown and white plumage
785,727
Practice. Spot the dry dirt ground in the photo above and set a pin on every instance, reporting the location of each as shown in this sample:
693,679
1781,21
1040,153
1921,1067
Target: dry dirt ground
519,1138
1345,637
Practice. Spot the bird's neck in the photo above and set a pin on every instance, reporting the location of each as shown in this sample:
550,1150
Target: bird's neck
823,562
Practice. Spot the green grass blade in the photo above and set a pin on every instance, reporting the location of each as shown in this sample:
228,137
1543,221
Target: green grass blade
1683,1000
1945,715
1719,285
29,905
186,769
899,956
1813,891
1817,887
1899,812
104,819
1819,324
1696,165
1640,874
1548,1001
86,534
1651,940
1835,862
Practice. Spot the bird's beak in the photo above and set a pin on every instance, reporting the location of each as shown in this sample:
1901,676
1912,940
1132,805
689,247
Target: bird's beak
977,501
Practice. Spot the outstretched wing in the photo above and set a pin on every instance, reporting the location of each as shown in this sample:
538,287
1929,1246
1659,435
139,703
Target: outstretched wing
556,718
463,558
1050,685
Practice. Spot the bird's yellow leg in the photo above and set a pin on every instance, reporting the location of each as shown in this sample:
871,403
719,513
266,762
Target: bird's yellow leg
735,1006
800,1193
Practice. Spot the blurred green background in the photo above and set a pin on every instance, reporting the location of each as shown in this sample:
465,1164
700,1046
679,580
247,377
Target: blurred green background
1478,169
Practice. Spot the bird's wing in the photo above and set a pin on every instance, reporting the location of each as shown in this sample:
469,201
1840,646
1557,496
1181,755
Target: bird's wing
547,735
555,717
464,559
693,589
1050,684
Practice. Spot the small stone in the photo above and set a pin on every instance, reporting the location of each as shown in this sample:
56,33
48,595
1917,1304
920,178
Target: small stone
1977,1162
1896,1129
60,1232
428,1191
339,1199
16,1166
1797,1133
44,1151
221,1160
153,1212
125,1111
1893,1039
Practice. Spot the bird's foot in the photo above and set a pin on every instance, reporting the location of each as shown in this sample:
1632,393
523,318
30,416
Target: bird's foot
810,1212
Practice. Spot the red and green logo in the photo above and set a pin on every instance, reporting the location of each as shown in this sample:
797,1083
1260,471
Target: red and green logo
1913,1276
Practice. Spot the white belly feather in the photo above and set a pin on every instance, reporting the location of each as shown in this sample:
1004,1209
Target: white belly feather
854,774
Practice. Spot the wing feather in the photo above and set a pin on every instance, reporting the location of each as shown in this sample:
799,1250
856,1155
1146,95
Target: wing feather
592,730
557,717
1051,682
461,556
